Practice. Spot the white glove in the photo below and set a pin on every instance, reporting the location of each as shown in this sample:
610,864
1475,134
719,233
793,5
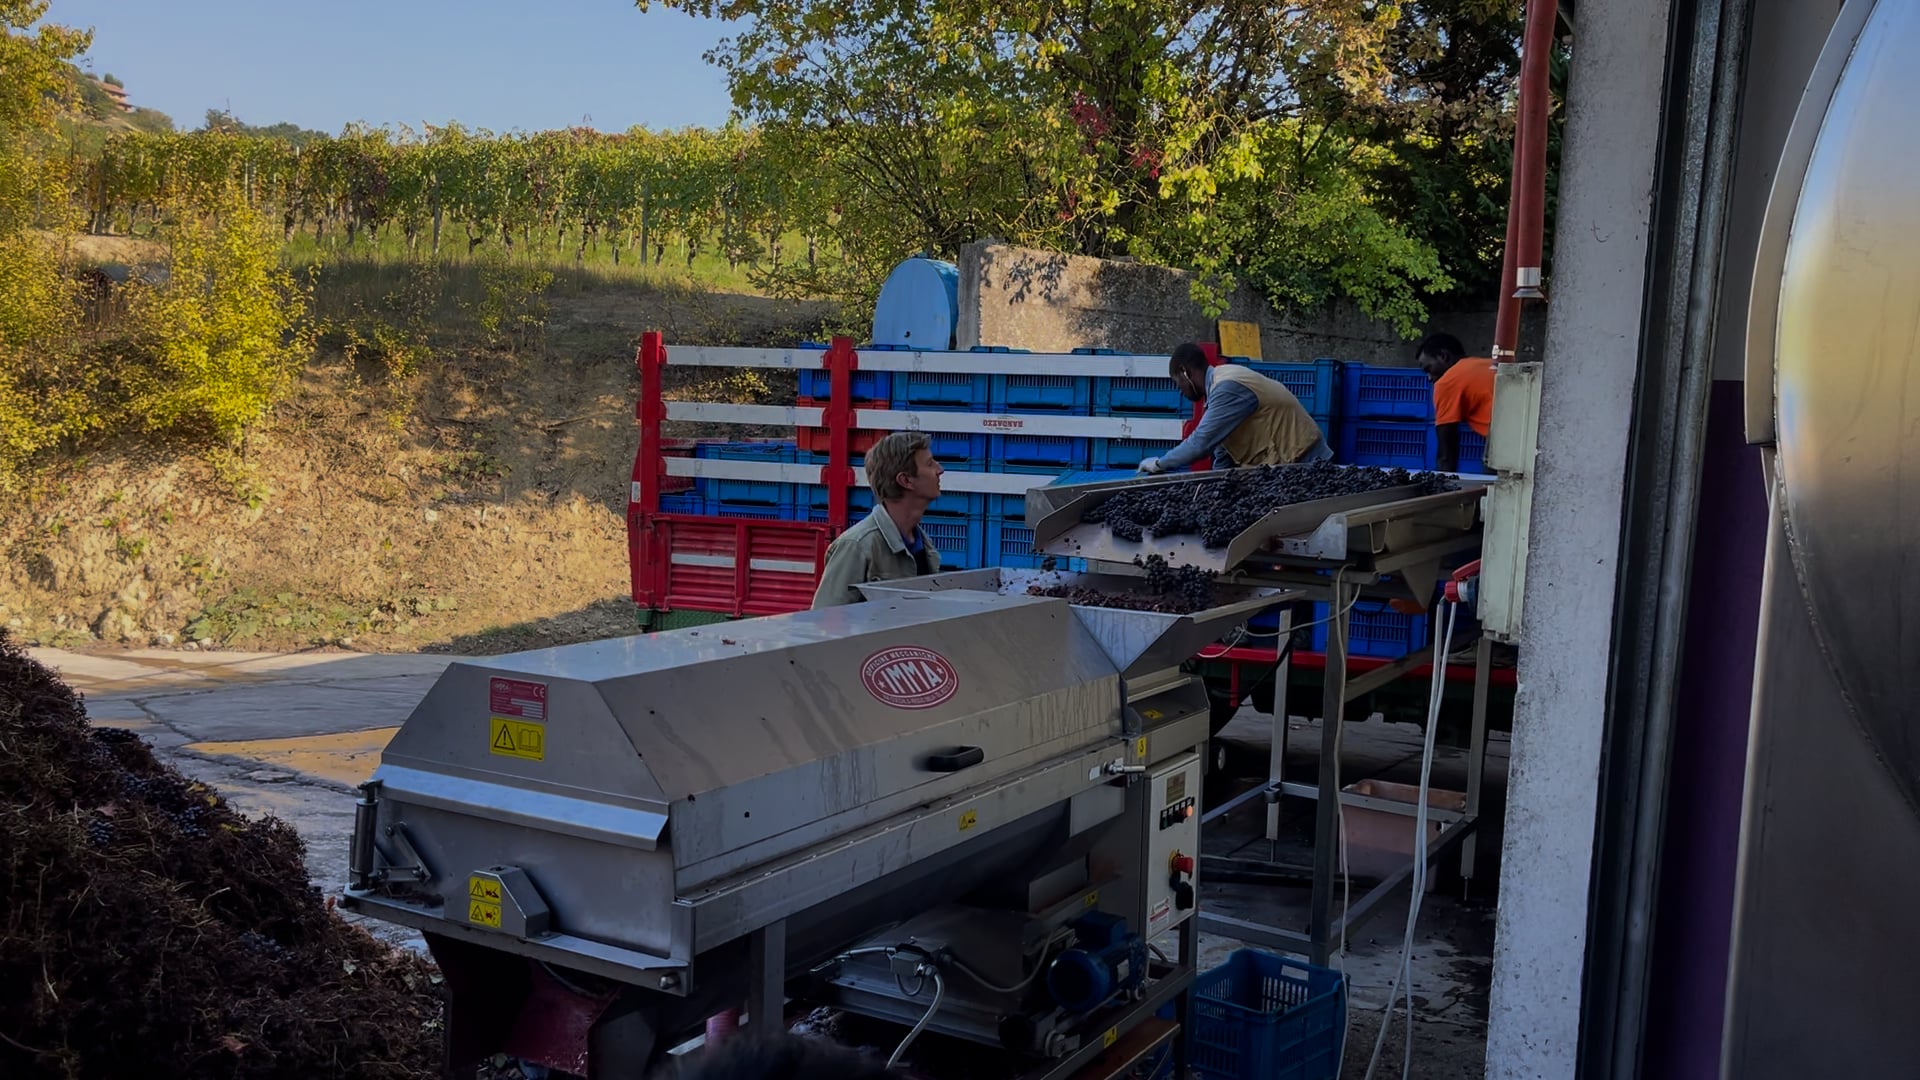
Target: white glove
1151,467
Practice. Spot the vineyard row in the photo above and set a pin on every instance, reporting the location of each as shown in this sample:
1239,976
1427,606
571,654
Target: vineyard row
724,187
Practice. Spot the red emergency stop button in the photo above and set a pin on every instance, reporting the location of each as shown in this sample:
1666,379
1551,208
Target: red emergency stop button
1182,864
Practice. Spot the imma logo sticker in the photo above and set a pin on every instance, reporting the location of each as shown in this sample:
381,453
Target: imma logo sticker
909,677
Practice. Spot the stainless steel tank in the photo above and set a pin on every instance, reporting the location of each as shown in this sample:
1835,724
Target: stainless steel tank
1826,933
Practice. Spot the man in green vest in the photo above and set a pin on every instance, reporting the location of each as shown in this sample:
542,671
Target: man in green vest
1250,419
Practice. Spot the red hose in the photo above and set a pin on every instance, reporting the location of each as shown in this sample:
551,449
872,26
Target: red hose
1527,199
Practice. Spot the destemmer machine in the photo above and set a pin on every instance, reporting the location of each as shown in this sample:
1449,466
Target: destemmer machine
973,814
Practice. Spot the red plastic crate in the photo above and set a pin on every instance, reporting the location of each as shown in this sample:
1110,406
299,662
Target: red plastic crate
737,566
819,440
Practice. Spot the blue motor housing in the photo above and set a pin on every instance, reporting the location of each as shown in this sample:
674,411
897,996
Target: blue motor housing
1107,960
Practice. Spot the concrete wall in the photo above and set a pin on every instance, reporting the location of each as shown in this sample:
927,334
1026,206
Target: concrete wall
1049,302
1592,353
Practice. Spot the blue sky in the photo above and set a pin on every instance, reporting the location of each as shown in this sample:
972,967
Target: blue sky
497,64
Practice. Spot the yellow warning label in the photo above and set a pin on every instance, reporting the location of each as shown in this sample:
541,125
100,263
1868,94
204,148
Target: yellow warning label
517,738
1112,1036
1092,899
480,888
968,819
1150,714
482,913
1140,747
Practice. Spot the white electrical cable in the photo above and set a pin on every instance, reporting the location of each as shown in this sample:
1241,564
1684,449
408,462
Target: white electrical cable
1404,972
1038,967
939,988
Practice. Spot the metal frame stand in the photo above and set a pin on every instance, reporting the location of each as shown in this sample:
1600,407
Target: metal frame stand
1325,928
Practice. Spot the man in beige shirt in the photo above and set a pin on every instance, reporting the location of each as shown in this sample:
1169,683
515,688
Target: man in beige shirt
1250,419
886,545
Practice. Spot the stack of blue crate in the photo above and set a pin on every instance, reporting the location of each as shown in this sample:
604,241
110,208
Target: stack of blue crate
1385,417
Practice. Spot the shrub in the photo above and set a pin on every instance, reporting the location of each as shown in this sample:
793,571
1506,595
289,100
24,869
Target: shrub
221,334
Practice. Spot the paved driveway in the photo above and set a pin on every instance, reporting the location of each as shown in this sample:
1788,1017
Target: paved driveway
283,734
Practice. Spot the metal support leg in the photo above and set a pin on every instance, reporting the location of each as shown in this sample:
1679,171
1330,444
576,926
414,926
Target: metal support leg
1476,752
1326,831
767,979
1277,744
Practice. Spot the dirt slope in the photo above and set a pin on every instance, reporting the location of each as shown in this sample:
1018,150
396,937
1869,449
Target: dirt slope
477,506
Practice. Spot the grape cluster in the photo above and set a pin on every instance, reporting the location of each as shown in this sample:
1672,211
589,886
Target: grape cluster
256,942
99,832
1219,508
1188,586
1169,590
111,735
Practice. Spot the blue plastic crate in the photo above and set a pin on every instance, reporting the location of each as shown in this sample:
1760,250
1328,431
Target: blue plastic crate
783,512
718,490
961,541
1473,451
1374,629
1265,1017
687,503
1010,543
954,449
1068,394
860,502
1021,453
1139,395
1316,384
1372,392
955,390
1386,443
1127,454
867,387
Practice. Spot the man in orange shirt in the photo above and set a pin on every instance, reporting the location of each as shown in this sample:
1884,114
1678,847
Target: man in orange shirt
1462,393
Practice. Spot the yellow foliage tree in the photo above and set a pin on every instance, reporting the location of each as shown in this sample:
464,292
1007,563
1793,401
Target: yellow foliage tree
221,333
38,299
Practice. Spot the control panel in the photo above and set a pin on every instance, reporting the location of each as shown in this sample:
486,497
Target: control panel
1173,849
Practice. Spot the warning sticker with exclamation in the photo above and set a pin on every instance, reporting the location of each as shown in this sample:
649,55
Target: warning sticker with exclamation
517,739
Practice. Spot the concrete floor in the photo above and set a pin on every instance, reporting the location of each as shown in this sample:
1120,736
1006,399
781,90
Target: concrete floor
291,735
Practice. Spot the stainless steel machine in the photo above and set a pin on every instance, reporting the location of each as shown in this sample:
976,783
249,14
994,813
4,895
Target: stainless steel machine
974,814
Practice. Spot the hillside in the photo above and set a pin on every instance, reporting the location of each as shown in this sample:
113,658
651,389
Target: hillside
476,505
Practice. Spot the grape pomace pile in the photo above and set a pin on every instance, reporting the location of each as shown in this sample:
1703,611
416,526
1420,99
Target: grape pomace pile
1219,508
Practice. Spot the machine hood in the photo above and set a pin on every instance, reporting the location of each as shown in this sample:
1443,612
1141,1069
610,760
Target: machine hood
743,732
1137,642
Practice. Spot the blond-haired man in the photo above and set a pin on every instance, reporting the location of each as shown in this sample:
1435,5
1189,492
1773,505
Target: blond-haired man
887,544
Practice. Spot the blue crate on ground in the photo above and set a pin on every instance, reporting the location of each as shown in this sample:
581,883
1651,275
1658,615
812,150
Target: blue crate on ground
867,387
1372,392
746,492
1138,395
1127,454
1386,443
1265,1017
1473,451
1022,453
1316,384
936,389
1374,629
1067,394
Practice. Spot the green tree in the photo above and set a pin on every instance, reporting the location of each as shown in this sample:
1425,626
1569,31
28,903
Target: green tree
38,305
1111,127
